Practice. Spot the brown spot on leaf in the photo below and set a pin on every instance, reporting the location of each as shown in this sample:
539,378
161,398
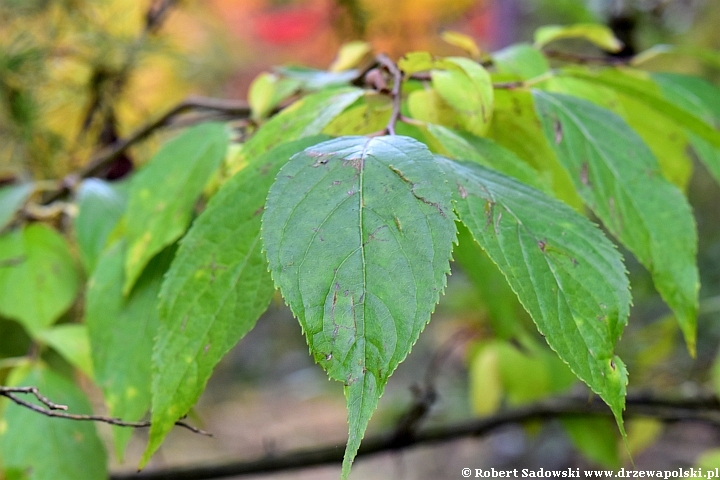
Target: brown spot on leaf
558,131
463,191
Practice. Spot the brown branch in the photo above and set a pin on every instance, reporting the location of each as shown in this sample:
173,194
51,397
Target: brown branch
52,410
395,93
105,157
706,410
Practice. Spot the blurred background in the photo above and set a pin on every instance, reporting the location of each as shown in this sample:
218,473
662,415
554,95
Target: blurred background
76,75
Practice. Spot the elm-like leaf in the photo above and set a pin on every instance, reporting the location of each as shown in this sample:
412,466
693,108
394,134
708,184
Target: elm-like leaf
122,329
358,232
566,273
618,177
215,291
164,192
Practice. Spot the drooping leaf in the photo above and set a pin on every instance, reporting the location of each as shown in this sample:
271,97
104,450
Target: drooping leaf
462,41
516,127
304,118
38,277
600,35
267,91
72,342
700,98
215,290
370,114
596,438
100,207
466,86
12,198
619,179
665,137
522,60
351,226
638,85
466,146
565,272
164,192
314,79
122,330
49,448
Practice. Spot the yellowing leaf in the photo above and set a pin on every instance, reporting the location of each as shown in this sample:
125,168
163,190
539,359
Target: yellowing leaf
350,55
463,41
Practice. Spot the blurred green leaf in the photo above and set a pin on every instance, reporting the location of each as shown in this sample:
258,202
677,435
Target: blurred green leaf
267,91
12,199
164,192
313,79
122,332
466,86
596,438
100,207
72,342
522,60
38,277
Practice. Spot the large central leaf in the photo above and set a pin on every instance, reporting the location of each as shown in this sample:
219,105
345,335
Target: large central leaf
359,233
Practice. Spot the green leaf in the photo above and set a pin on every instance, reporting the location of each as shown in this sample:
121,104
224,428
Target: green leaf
466,146
698,97
633,83
314,79
485,385
304,118
267,91
565,272
351,226
619,179
370,114
666,139
12,198
72,342
465,42
122,330
466,86
215,290
516,127
164,192
100,207
50,448
707,56
596,438
415,62
600,35
38,277
521,60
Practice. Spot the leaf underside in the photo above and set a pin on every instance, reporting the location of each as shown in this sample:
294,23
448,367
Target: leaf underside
351,226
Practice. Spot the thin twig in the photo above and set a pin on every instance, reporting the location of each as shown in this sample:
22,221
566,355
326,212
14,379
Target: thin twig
52,410
706,410
393,69
106,156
